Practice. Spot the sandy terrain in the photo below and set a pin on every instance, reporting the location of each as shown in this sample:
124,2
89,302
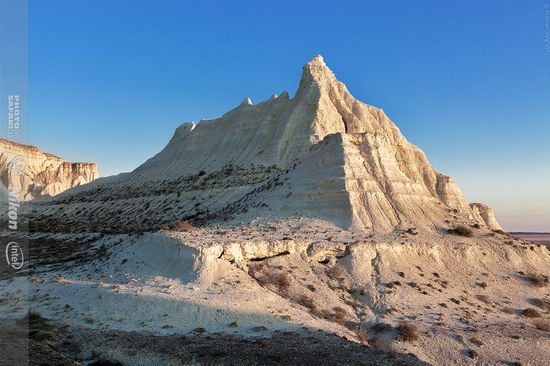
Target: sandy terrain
462,297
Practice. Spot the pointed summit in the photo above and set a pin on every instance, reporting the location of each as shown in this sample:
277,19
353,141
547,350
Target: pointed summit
317,60
317,71
246,101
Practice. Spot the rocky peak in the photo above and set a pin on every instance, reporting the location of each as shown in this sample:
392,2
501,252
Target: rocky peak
321,154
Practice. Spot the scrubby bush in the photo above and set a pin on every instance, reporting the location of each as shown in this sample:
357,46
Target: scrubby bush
362,335
183,226
530,313
270,277
308,302
339,315
538,280
407,331
180,225
485,299
472,353
336,272
541,303
412,231
542,324
380,327
462,231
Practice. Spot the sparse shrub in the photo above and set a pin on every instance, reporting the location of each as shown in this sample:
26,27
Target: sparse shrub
462,231
279,280
472,353
321,313
308,302
282,280
268,277
407,331
476,341
380,327
541,303
530,313
484,299
538,280
183,226
336,272
412,231
339,315
542,324
362,335
509,310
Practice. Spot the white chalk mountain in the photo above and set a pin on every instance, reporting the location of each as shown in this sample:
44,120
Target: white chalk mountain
33,173
320,154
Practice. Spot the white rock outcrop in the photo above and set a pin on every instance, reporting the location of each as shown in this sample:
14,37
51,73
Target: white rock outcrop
35,173
485,214
320,154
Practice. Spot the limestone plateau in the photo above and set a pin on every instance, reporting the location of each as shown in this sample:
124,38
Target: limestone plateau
34,173
321,154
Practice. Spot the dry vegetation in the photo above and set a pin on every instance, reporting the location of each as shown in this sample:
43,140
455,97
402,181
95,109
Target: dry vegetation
538,280
542,324
462,231
530,313
270,277
336,272
541,303
308,302
407,331
484,299
180,225
362,335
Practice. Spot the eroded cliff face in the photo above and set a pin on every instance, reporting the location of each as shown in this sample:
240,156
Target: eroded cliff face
485,214
321,154
34,173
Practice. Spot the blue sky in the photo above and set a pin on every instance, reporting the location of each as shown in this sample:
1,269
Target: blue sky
467,81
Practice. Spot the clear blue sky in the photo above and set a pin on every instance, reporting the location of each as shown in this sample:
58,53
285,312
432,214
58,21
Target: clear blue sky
467,81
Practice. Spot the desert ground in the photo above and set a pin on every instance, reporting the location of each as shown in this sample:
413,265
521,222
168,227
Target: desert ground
283,292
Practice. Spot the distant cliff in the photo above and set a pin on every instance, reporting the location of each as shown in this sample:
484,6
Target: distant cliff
34,173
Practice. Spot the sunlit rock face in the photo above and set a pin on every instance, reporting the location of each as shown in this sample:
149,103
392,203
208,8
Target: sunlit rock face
321,154
34,173
484,214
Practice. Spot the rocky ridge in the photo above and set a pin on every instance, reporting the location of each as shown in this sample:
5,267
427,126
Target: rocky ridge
320,154
34,173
